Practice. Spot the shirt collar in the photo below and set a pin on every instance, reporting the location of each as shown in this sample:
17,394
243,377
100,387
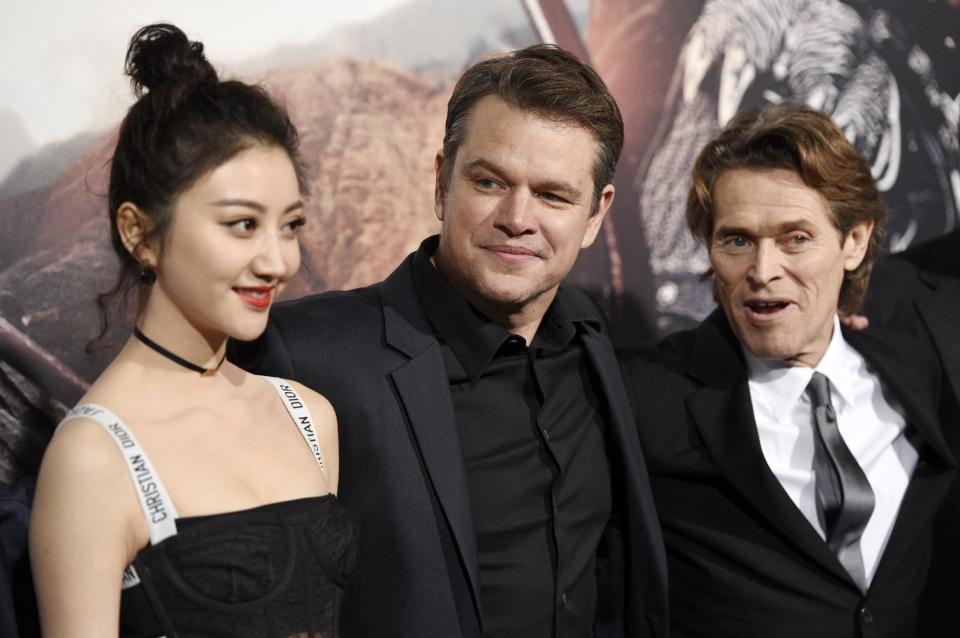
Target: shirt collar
474,338
840,363
776,384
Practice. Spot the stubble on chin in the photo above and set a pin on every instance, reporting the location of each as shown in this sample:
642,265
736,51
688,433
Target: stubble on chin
505,294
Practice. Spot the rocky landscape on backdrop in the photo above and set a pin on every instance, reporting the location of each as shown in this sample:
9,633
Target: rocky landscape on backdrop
369,130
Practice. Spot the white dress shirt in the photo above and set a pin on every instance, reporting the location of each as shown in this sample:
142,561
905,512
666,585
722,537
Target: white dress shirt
870,422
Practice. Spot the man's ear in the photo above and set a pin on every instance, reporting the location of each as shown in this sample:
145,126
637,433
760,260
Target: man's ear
597,216
134,227
438,186
855,245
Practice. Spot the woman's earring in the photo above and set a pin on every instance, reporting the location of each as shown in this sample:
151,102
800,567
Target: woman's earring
146,276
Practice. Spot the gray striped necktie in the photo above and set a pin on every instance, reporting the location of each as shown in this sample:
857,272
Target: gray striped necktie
844,497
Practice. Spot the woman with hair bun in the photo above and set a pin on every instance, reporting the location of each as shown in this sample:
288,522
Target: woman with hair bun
184,496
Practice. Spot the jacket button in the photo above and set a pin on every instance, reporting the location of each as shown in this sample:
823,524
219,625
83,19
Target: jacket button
866,615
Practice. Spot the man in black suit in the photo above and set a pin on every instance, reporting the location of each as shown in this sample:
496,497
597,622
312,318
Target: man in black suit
489,455
797,467
918,291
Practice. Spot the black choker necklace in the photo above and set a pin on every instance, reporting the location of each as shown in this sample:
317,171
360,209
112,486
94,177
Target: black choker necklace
150,343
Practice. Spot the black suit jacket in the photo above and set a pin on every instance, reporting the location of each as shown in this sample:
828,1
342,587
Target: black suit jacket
919,291
939,255
373,354
743,560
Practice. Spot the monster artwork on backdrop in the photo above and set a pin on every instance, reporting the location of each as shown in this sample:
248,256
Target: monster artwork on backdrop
854,62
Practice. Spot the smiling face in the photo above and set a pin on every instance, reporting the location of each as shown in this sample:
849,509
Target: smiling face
518,208
779,262
231,247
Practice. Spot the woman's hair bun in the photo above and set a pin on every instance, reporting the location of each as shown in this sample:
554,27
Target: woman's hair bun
161,55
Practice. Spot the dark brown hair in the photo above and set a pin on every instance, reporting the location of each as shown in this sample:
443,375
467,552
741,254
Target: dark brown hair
796,138
185,123
549,81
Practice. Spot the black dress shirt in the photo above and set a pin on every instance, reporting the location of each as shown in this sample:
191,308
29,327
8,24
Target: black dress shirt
537,470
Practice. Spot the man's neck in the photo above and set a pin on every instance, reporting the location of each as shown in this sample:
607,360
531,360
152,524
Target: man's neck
523,320
810,358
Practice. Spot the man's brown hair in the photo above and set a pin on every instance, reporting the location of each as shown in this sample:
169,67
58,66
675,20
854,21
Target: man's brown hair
553,84
796,138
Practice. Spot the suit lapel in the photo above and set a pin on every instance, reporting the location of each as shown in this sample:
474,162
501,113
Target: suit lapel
938,310
622,427
424,393
908,369
723,414
908,372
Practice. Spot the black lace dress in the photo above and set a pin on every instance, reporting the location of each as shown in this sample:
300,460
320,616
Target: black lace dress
273,571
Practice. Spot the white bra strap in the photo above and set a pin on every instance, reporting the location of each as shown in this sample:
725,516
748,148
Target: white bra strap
157,507
300,415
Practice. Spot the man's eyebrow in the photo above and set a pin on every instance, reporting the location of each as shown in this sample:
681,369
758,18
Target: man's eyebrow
257,206
726,231
566,189
789,225
485,164
782,227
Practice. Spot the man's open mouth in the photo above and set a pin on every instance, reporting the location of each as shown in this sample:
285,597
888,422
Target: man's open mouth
765,307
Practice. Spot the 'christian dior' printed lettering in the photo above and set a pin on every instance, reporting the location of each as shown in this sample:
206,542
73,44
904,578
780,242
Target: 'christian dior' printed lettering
152,501
301,416
307,428
87,409
158,510
292,397
122,436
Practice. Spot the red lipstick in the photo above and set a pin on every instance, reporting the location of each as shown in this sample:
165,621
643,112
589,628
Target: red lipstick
258,297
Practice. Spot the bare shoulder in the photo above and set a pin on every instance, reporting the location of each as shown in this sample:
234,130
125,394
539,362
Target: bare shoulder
83,530
82,451
83,471
84,489
84,464
320,408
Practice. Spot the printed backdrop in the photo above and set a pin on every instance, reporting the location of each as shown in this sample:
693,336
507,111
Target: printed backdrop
369,95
